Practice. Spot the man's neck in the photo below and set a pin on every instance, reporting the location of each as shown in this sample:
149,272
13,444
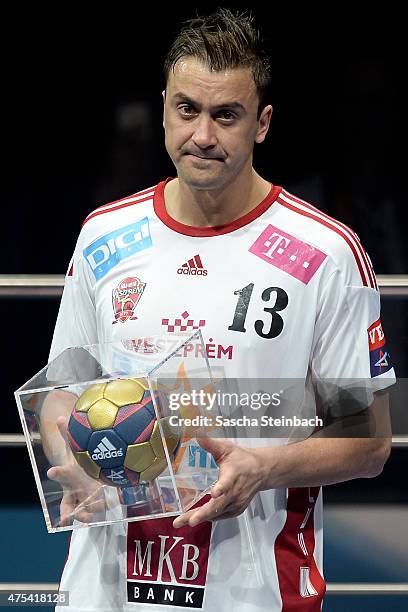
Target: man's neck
200,208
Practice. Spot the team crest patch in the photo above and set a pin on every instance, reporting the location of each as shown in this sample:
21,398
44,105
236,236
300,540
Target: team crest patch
380,361
291,255
125,297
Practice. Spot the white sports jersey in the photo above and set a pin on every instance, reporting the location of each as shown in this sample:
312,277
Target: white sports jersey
279,292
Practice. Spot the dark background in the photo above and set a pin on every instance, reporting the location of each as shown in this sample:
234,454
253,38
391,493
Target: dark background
338,129
82,126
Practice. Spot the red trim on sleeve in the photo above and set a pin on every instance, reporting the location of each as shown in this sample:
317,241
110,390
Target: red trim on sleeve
334,229
128,202
347,230
190,230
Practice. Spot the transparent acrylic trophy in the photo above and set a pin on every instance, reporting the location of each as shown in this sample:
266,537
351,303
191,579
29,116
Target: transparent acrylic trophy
109,420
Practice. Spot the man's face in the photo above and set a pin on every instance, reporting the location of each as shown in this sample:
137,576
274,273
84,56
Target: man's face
210,122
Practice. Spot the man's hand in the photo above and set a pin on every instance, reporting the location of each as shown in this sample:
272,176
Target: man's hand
82,496
240,478
313,462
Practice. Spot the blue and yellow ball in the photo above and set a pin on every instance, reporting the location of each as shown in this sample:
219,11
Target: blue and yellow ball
114,434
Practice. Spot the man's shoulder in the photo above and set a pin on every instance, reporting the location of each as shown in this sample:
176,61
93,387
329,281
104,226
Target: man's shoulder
104,216
114,231
334,238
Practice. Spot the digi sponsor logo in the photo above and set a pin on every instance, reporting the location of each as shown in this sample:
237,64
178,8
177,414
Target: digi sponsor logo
106,252
193,267
125,297
166,565
291,255
379,356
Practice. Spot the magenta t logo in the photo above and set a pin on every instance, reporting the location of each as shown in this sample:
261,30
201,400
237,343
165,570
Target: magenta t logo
288,253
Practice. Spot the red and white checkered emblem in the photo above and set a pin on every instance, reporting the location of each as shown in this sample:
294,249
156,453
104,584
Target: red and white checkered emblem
183,324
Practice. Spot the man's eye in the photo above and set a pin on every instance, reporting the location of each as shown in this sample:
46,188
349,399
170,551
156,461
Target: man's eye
227,115
186,110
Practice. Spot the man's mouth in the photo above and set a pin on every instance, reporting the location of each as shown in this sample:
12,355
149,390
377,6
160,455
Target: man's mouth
205,158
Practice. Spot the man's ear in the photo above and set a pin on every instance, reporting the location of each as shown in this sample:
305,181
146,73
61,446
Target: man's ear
164,105
264,122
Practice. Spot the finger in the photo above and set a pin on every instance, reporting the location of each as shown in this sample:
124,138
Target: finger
85,515
183,519
91,507
216,447
82,516
207,512
224,484
66,511
227,515
83,512
59,474
93,503
221,513
65,520
63,475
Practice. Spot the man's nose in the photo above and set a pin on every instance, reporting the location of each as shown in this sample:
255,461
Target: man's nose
204,134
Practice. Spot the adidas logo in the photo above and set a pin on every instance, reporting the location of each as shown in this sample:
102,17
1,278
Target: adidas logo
193,267
106,450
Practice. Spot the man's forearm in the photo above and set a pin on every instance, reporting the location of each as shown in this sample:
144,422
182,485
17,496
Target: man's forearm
313,462
322,461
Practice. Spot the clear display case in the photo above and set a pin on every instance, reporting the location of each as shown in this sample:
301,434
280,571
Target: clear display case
104,426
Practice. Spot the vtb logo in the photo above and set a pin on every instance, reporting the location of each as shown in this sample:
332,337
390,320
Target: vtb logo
379,356
376,336
106,252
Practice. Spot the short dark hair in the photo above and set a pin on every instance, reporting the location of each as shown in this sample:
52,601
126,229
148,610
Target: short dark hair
224,40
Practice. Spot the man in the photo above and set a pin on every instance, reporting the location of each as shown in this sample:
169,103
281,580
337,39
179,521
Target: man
286,291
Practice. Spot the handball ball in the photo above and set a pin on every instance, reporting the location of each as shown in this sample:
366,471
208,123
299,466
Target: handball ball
114,434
